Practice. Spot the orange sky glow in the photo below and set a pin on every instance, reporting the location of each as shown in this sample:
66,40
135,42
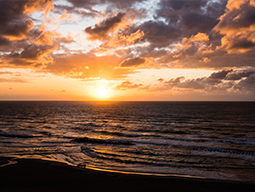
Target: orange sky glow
136,50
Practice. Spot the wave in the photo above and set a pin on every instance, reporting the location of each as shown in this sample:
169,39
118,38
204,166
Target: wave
102,141
120,134
174,162
15,135
165,131
224,150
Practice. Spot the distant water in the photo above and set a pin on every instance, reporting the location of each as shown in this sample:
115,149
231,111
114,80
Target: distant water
205,139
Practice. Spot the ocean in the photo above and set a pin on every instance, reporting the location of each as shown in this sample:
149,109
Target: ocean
213,140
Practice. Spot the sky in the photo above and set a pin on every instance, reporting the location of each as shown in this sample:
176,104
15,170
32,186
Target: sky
135,50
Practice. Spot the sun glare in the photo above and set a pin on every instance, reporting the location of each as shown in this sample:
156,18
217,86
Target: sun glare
102,92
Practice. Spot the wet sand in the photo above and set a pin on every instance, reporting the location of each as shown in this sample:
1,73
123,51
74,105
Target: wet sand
41,175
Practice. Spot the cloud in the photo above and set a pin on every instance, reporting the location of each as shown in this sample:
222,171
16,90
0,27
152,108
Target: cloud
181,35
228,80
4,41
13,80
160,80
132,62
89,4
104,28
17,30
173,82
239,74
238,16
46,38
128,85
118,39
237,25
239,42
194,22
159,34
220,74
191,17
32,55
87,66
64,16
14,16
68,39
205,34
247,84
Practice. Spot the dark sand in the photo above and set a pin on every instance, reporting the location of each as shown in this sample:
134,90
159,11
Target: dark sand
40,175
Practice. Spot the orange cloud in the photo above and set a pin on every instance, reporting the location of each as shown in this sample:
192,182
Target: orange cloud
197,41
32,6
234,4
64,16
46,38
118,40
239,42
87,66
200,37
238,26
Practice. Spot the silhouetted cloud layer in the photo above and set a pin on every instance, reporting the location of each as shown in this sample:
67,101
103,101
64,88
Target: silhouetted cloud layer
111,38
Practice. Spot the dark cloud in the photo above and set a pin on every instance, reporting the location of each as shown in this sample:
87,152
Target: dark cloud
184,4
191,17
14,16
194,22
17,33
238,18
239,74
218,81
4,41
11,10
174,82
132,62
178,22
247,84
101,31
36,51
220,74
159,34
33,55
198,83
243,44
17,29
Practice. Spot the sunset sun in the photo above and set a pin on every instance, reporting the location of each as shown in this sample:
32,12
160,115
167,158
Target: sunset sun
102,92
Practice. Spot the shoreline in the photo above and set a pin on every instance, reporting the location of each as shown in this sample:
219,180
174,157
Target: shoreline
45,175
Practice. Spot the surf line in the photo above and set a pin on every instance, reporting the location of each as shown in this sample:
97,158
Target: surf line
148,174
11,162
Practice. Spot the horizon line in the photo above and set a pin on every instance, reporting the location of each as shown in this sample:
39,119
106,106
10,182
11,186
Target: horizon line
31,100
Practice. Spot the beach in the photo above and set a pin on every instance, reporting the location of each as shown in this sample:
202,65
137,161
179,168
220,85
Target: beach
42,175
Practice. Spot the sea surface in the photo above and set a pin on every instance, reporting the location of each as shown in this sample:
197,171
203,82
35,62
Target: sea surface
201,139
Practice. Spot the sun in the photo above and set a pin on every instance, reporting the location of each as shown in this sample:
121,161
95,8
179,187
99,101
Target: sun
102,92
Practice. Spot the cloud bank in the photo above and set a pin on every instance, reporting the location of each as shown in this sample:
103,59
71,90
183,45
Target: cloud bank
111,39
